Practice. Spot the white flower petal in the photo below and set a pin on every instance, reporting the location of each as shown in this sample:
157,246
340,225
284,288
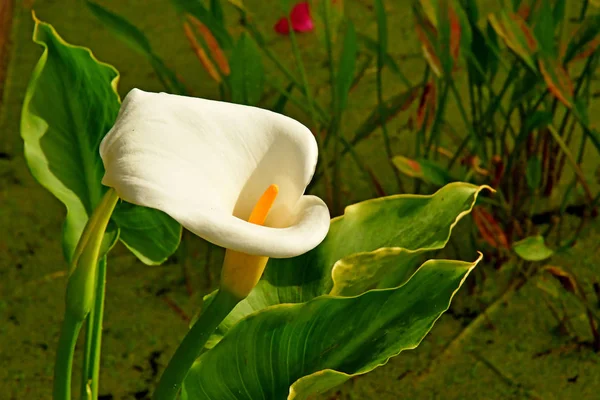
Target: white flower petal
306,230
206,163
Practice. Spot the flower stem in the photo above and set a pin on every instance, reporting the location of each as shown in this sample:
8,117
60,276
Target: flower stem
87,351
64,357
192,344
79,299
91,369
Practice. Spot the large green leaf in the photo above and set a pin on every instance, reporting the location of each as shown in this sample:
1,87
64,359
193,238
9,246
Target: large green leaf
70,104
410,225
247,77
319,344
383,268
150,234
136,39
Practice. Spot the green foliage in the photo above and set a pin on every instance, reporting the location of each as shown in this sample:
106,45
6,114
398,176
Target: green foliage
505,123
521,127
353,302
386,267
415,224
247,74
388,61
423,169
479,67
282,100
585,35
443,31
544,29
62,133
198,10
517,36
136,39
390,108
71,103
533,173
148,233
346,68
316,345
533,248
217,11
381,29
310,320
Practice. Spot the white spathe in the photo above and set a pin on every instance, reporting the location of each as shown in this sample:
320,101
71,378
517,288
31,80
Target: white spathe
206,163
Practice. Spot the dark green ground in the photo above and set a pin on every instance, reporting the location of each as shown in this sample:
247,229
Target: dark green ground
511,351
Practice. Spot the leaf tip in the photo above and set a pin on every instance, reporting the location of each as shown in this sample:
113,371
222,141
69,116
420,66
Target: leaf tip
487,187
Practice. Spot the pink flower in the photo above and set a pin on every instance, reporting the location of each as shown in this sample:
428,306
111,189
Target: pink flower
301,20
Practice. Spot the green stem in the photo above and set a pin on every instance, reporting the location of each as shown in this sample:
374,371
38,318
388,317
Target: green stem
311,106
300,66
64,357
473,101
79,299
479,106
193,343
93,337
479,142
583,10
439,115
322,117
458,151
421,134
572,161
596,201
361,165
276,59
96,325
573,183
260,40
504,135
87,351
486,119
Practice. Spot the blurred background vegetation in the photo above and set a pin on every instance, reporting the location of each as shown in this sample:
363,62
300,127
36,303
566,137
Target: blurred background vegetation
403,97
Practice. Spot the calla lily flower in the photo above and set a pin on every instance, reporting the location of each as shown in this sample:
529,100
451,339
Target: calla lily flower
210,164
